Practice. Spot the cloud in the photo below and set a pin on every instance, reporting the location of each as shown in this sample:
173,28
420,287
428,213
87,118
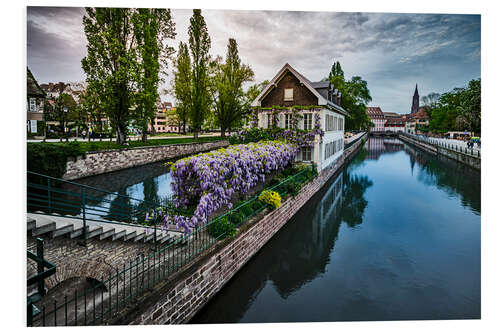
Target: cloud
391,51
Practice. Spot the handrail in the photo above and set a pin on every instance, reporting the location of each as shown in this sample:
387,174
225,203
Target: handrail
87,186
47,194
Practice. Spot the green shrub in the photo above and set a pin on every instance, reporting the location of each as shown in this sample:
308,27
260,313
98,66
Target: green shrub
221,227
237,217
50,158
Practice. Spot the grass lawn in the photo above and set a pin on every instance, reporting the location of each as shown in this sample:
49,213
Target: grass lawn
104,145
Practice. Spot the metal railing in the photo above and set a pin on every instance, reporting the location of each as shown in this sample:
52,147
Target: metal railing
447,145
53,196
115,291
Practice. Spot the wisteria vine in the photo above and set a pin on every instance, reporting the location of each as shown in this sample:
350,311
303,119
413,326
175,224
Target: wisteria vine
213,177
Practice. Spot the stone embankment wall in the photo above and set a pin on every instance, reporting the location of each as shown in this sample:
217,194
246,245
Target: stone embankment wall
179,301
472,161
96,163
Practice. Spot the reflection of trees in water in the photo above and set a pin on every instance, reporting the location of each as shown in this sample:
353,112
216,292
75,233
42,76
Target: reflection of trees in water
354,202
448,175
298,253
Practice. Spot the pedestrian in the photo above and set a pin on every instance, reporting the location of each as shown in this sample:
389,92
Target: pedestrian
84,133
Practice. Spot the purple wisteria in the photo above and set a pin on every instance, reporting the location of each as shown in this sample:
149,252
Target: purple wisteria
213,177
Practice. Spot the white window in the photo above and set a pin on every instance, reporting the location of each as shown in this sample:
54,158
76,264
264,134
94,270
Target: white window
288,119
288,94
308,121
33,104
306,153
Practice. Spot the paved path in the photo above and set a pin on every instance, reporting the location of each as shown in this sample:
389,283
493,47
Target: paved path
130,138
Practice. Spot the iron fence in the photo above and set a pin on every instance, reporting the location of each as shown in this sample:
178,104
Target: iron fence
98,304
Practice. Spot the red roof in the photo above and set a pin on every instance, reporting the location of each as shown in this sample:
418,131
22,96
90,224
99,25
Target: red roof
374,112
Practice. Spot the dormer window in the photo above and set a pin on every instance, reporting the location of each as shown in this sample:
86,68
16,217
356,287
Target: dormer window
288,94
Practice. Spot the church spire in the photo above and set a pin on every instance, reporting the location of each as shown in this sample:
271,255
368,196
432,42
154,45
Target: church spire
416,100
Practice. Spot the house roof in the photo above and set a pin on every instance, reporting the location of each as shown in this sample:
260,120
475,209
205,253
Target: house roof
391,115
308,84
421,114
374,112
33,89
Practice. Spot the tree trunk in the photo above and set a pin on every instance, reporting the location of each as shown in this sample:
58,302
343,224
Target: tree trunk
222,132
195,133
144,136
120,136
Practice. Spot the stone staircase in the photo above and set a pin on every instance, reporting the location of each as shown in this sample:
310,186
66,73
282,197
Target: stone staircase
58,225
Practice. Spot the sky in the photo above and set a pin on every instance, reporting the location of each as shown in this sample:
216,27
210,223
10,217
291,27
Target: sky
392,52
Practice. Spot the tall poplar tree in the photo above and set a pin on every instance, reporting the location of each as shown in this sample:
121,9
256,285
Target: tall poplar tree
152,29
182,85
110,62
199,45
229,95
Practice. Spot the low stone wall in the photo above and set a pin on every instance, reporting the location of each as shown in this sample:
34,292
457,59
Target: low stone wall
96,163
179,301
472,161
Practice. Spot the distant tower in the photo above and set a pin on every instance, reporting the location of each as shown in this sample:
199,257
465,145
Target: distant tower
416,99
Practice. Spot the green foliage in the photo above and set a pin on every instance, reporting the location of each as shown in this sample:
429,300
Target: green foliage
152,28
228,93
111,62
182,84
222,227
355,97
199,45
459,109
50,158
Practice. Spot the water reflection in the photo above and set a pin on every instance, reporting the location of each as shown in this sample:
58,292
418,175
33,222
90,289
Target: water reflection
454,178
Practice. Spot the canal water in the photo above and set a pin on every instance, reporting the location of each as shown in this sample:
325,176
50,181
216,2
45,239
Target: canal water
396,236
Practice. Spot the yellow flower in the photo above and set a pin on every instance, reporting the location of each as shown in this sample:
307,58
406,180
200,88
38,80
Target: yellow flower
270,197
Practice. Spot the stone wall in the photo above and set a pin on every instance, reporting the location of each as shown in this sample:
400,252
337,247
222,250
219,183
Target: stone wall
472,161
100,162
178,302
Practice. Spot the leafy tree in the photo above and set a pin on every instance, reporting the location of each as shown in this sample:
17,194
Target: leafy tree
152,28
469,106
431,99
255,89
459,109
62,103
229,96
251,94
199,45
355,97
110,63
182,85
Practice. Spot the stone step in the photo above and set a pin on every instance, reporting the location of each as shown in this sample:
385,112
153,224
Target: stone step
72,227
106,232
42,226
31,223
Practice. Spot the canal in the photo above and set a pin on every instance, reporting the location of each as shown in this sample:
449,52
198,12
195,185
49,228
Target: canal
396,236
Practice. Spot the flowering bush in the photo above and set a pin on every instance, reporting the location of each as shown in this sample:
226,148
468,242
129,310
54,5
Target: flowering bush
210,179
271,197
